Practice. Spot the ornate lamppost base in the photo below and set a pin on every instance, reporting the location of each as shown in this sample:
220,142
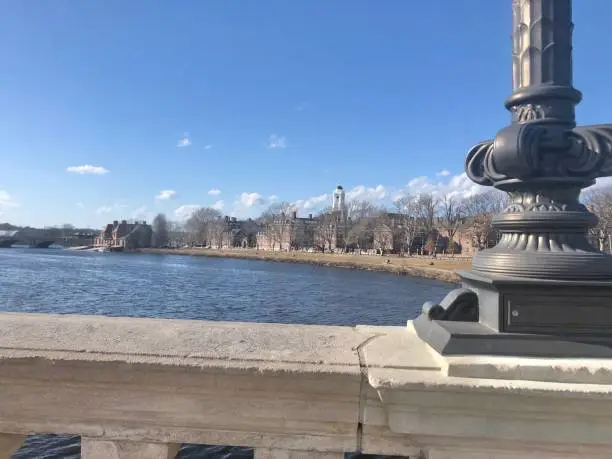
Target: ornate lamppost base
495,315
543,290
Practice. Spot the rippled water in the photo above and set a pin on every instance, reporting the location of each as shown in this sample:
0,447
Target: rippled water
181,287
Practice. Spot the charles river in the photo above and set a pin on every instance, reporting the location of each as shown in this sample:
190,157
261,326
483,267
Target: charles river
142,285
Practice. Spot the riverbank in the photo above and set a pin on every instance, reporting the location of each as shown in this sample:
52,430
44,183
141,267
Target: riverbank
440,269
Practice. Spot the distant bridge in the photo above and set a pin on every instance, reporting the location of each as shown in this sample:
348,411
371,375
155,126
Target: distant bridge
43,239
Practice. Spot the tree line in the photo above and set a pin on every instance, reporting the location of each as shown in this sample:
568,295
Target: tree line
414,217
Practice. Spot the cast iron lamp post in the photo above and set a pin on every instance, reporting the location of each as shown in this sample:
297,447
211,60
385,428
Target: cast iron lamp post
543,290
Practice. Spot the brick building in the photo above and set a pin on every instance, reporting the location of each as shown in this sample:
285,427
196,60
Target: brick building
121,235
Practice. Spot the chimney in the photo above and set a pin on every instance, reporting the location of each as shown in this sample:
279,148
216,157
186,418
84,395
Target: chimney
115,222
294,214
227,219
309,216
124,222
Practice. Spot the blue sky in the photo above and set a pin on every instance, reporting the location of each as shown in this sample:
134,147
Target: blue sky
258,100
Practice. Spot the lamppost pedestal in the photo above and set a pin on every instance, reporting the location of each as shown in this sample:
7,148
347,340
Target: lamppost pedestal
520,317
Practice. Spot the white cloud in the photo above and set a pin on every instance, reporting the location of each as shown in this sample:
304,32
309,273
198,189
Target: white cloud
273,198
214,192
207,147
444,173
184,212
7,201
603,182
165,195
184,142
459,186
362,193
301,107
277,141
251,199
87,169
80,205
219,205
312,203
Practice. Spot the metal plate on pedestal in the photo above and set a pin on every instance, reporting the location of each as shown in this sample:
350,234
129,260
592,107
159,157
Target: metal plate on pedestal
563,313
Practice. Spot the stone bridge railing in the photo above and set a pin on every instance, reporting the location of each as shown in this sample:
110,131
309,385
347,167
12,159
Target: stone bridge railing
138,388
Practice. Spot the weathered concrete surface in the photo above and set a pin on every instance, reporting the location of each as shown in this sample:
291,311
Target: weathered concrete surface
148,380
473,417
265,453
106,449
147,385
9,443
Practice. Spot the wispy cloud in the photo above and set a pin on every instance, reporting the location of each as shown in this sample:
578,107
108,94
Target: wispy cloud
185,211
104,210
214,192
184,142
87,169
141,213
277,141
207,147
302,107
443,173
165,195
80,205
107,209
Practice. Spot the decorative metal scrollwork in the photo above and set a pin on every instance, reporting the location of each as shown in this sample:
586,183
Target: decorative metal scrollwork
460,305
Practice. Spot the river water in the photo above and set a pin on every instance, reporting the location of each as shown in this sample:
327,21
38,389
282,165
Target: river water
167,286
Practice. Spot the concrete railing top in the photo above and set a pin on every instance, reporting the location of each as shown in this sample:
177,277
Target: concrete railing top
284,388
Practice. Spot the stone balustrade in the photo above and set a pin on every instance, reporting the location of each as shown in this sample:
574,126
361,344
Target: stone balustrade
138,388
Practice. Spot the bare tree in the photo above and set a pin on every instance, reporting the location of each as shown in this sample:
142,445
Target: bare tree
358,210
177,234
451,214
275,220
201,224
480,209
408,224
326,230
599,201
426,209
218,233
360,224
160,231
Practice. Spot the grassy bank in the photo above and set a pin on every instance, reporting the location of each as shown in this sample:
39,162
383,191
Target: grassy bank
440,269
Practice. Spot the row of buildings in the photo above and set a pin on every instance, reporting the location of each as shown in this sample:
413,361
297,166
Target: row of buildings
334,231
330,231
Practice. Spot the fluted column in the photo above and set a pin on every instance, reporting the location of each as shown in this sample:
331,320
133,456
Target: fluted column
542,61
541,43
